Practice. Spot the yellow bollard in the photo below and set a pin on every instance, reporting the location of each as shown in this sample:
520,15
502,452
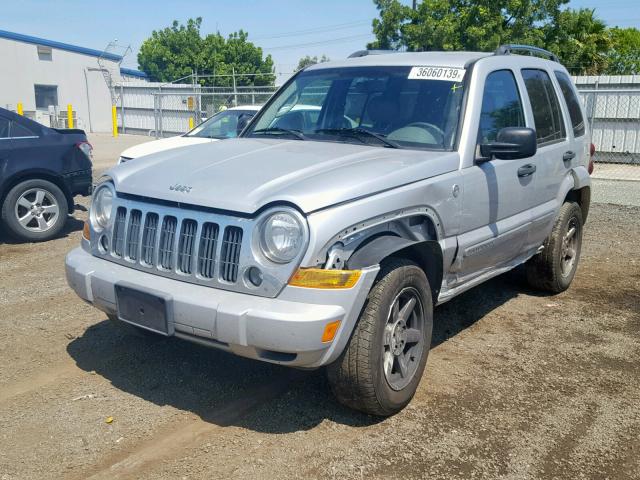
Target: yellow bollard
114,120
70,115
19,108
190,123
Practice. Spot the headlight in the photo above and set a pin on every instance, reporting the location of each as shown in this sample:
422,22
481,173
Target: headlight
281,237
101,206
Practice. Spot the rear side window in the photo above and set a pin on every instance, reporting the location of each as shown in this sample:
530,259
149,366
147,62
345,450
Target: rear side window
501,105
573,105
545,105
4,127
18,131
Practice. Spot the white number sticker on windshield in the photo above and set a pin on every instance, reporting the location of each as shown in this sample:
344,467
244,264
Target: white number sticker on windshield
448,74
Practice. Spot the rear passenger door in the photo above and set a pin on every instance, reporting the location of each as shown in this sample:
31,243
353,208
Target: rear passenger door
555,150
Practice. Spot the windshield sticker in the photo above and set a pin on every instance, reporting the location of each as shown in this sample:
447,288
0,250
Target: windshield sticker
448,74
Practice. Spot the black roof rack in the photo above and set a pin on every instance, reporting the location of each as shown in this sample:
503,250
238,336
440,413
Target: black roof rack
509,48
364,53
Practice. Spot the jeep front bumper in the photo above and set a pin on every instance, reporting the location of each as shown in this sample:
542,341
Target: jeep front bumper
285,330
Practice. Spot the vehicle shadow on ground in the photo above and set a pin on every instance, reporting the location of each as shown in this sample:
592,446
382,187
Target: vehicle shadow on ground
72,225
227,390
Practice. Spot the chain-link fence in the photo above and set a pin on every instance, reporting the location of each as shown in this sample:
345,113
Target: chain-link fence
177,112
613,115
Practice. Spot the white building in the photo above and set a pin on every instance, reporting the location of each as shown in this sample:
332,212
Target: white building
45,76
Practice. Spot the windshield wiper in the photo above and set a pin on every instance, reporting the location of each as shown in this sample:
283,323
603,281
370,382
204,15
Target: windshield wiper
277,130
357,132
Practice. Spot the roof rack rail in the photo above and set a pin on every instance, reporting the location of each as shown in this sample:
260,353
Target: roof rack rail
364,53
509,48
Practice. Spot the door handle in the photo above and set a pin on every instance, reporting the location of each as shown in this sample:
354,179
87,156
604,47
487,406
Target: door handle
526,170
570,155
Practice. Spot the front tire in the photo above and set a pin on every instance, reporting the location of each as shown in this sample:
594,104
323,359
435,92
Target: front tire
35,210
380,369
553,269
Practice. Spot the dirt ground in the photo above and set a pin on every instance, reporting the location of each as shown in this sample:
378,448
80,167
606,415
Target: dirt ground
518,385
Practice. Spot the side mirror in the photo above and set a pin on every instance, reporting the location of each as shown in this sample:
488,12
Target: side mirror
243,121
511,143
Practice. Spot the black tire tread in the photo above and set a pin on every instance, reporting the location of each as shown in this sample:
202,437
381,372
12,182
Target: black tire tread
351,376
6,213
543,270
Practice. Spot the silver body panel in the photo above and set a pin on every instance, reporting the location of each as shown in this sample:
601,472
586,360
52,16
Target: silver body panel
485,218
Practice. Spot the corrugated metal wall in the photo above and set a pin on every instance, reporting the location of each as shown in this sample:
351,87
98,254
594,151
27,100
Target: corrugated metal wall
612,103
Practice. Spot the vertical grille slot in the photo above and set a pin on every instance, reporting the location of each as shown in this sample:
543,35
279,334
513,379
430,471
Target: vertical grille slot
149,238
230,254
186,243
118,231
167,236
207,250
133,234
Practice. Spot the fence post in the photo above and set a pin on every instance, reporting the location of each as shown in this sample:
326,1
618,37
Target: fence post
19,108
235,91
122,109
114,120
160,126
69,116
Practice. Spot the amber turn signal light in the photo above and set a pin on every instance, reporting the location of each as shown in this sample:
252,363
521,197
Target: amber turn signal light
86,232
328,279
330,331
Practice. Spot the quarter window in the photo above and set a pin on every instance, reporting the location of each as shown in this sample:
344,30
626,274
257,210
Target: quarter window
546,108
573,105
4,127
18,131
501,105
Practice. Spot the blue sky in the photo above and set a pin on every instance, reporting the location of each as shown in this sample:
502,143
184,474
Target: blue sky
287,29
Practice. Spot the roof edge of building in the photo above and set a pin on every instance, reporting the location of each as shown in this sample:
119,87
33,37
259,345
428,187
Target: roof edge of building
59,45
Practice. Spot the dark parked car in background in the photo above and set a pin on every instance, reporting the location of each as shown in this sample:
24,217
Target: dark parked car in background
41,170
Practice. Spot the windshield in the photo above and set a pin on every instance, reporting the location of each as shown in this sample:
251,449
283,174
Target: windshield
381,106
221,125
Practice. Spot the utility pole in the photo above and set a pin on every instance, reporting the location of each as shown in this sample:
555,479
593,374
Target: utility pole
414,4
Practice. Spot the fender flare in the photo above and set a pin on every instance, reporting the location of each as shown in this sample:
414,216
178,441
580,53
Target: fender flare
426,253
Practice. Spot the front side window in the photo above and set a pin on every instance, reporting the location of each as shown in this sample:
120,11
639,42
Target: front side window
46,96
501,105
573,105
376,106
221,125
546,108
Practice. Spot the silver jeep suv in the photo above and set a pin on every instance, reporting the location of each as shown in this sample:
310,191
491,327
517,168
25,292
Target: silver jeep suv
366,192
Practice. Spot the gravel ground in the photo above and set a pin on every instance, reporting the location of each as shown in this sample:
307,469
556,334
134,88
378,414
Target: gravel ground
518,385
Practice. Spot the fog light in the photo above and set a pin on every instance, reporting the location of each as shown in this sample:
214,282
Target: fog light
104,244
254,275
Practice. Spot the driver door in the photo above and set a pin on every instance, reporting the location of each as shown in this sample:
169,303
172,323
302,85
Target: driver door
498,194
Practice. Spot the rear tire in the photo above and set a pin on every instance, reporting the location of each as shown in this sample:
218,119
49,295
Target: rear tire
35,210
379,371
553,269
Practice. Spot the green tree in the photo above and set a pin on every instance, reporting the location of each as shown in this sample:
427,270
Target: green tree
307,61
462,24
624,56
578,37
181,50
580,40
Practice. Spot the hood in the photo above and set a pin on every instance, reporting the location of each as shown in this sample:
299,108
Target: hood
156,146
245,174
